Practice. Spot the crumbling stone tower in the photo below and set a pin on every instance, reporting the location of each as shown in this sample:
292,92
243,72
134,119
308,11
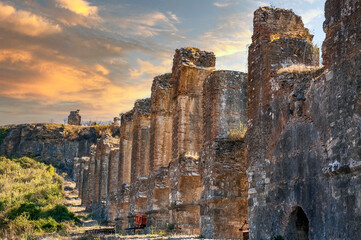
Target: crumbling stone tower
303,139
224,156
276,114
160,152
190,68
124,173
140,162
74,118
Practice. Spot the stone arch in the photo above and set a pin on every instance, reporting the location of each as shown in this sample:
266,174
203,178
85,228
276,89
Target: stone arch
298,225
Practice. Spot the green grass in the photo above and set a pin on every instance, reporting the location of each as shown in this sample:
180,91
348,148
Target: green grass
31,200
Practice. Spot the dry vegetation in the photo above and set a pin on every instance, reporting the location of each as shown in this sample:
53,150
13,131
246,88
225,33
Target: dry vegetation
31,200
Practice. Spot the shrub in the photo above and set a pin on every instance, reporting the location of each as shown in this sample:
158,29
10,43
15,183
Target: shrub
61,213
30,210
31,200
238,133
170,227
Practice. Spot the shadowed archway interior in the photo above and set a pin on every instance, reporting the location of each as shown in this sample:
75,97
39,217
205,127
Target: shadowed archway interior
298,225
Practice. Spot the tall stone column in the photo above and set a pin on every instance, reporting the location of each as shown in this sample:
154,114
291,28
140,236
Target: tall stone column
89,200
112,184
84,194
190,68
124,173
84,161
224,160
140,163
104,146
160,152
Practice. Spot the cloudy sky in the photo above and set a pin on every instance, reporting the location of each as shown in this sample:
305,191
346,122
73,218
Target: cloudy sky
101,55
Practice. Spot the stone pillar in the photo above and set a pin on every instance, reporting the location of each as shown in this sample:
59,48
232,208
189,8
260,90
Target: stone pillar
224,159
282,141
82,171
160,153
104,146
89,200
124,173
190,68
76,170
85,181
140,163
112,185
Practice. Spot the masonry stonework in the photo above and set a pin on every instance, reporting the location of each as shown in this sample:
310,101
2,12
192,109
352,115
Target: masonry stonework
140,161
224,155
190,69
160,152
304,123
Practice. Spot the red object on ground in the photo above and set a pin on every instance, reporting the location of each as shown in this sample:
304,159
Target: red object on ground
140,219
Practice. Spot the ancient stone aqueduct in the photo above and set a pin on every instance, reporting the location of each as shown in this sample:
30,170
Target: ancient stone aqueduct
183,157
276,151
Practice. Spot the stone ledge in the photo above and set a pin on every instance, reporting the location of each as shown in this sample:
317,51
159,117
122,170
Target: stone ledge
336,168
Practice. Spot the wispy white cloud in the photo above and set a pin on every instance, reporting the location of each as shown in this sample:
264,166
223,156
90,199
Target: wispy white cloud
150,24
148,70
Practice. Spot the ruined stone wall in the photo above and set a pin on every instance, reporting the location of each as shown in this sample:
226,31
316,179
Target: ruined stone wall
190,68
303,140
224,157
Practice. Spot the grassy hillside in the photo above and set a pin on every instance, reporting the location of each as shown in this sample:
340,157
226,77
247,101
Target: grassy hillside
31,200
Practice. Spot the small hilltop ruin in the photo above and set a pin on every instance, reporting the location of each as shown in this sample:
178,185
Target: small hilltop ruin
74,118
269,154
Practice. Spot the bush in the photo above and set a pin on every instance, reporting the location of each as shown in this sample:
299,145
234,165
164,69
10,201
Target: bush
31,200
25,209
61,213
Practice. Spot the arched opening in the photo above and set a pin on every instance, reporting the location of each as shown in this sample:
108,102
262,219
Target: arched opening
297,228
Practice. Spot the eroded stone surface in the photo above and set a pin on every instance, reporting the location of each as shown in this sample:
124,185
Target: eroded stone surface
190,69
55,144
305,136
224,157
